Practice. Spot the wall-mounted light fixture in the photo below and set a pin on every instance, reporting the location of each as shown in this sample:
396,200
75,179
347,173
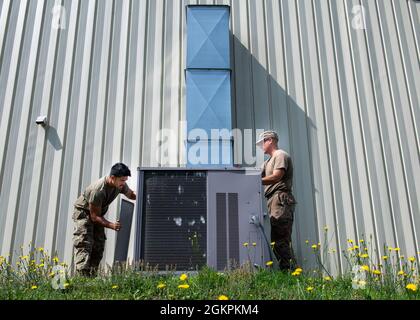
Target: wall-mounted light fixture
42,120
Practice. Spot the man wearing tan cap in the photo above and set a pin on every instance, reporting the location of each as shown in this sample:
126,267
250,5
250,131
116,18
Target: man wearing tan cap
277,178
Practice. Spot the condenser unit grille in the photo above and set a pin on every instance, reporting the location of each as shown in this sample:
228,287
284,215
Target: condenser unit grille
175,219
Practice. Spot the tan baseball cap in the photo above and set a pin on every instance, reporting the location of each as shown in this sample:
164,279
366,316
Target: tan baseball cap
266,135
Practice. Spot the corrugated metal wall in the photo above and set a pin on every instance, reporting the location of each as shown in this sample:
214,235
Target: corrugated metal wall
110,74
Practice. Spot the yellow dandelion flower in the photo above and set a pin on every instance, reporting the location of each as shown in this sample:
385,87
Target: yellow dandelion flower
254,244
66,285
314,246
295,274
183,277
350,241
401,273
412,259
377,272
319,244
298,270
397,249
365,268
41,265
55,259
309,289
402,257
350,249
222,297
114,287
365,255
361,240
24,258
40,249
246,244
412,287
385,257
161,285
327,278
307,241
51,274
183,286
34,287
269,263
273,243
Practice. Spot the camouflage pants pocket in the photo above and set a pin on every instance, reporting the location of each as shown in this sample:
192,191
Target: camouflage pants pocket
83,241
98,248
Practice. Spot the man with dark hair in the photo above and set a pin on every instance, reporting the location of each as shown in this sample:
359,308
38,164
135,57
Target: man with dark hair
88,216
277,178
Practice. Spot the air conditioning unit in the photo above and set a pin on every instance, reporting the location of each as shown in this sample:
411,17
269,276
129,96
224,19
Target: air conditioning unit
189,218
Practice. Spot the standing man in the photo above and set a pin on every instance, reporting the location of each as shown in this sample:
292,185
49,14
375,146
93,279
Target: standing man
277,178
88,216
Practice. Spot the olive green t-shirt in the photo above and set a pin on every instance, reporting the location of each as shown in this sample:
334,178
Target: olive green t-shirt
280,160
100,195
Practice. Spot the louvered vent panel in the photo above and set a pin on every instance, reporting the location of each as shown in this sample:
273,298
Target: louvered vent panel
233,228
221,230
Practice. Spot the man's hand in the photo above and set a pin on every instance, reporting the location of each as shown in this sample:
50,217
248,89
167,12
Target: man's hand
116,226
131,194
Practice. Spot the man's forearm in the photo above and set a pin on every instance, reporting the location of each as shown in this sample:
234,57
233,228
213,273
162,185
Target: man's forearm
102,222
270,180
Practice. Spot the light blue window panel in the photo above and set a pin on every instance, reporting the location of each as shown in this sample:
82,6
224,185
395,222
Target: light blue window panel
208,86
208,37
209,153
208,100
209,107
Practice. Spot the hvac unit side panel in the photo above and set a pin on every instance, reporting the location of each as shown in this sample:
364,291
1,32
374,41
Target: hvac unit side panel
243,196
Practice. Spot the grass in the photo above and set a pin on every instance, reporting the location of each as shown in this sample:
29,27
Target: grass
207,284
37,276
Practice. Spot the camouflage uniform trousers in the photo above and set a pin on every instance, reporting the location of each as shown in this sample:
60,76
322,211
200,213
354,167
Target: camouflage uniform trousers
89,243
281,207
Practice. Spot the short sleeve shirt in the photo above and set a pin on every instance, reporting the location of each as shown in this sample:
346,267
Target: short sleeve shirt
99,194
280,160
